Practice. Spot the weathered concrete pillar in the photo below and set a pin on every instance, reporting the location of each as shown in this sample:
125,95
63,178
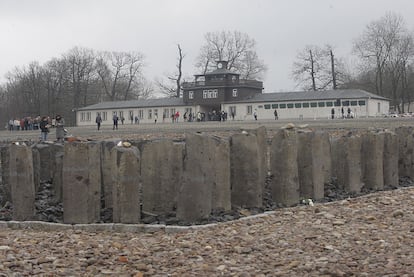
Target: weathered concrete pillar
372,155
161,171
126,185
58,176
263,149
107,179
406,151
195,191
346,161
22,182
5,173
326,156
36,168
81,182
284,185
221,199
246,173
390,159
311,164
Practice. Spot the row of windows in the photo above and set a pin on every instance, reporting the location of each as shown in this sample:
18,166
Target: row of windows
211,93
315,104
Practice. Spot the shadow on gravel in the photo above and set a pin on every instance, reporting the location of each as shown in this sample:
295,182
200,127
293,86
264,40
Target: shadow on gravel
50,210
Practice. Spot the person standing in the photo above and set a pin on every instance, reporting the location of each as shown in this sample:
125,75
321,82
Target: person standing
155,119
44,128
60,128
276,115
98,121
342,112
332,113
115,120
255,115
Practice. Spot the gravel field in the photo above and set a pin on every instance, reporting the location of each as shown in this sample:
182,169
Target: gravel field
371,235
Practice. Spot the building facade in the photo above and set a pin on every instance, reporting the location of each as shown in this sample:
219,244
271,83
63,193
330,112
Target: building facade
224,91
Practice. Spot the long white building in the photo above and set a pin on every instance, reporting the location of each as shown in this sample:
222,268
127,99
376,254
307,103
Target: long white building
224,91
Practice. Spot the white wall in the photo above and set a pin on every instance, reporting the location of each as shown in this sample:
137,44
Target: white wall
369,109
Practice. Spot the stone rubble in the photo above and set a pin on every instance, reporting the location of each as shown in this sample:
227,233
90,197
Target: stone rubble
371,235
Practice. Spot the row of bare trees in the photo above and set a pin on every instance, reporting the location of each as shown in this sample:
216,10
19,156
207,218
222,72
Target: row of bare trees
78,78
385,63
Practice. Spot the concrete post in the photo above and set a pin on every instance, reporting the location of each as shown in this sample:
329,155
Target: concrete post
284,185
22,182
311,164
406,151
5,173
372,160
246,173
58,176
263,149
81,182
36,168
221,199
390,159
161,170
346,162
126,185
107,179
195,191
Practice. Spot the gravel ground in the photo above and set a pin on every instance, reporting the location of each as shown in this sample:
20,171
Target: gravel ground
372,235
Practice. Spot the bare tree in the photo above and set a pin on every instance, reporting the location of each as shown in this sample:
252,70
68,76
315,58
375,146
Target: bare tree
80,62
118,71
172,87
374,46
316,68
235,47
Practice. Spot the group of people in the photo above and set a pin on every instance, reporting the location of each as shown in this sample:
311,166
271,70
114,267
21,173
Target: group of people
45,125
348,115
24,124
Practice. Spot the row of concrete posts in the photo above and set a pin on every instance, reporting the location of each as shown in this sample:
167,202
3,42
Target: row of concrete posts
201,173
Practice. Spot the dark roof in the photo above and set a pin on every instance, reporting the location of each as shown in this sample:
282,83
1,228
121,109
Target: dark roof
312,95
155,102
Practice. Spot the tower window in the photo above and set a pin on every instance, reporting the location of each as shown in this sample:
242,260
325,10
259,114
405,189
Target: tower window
191,95
235,92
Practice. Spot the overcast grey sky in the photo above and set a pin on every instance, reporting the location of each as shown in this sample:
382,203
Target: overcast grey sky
38,30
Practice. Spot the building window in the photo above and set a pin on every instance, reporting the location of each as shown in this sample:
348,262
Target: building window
249,109
282,106
235,92
354,103
104,116
275,106
149,114
361,102
191,95
211,93
379,107
321,104
267,106
121,115
172,112
329,104
88,116
313,104
298,105
141,114
131,115
290,105
345,103
337,103
82,117
305,105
